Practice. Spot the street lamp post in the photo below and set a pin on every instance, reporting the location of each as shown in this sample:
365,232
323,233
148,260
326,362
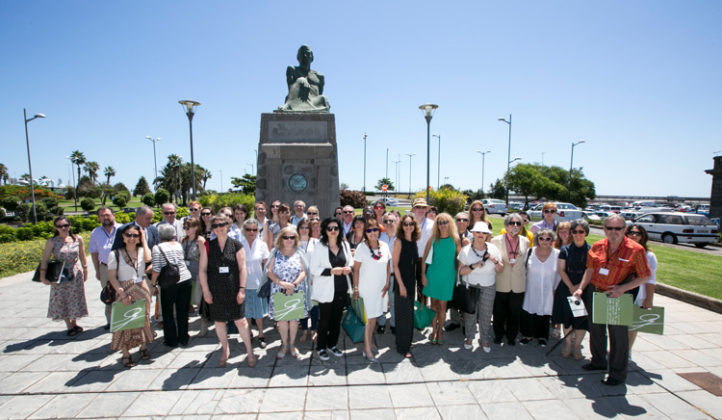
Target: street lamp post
396,172
365,163
571,164
189,112
429,110
410,155
438,165
508,159
30,166
155,162
483,155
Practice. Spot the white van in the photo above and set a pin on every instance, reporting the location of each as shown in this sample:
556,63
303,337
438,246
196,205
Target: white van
675,228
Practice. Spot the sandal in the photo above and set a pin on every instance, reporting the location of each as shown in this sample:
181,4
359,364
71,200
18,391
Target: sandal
144,354
251,361
128,362
281,353
295,353
72,332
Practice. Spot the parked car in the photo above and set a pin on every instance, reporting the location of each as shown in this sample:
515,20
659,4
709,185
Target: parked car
494,206
390,201
516,205
565,212
591,216
678,227
613,209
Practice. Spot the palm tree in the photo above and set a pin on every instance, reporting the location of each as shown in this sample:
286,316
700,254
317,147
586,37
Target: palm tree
109,171
92,169
170,177
205,176
4,174
78,158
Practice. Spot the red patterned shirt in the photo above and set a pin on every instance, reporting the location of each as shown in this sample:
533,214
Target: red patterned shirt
611,269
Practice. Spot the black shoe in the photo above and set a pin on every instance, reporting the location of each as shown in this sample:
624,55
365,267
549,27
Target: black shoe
497,340
542,342
451,326
171,345
525,341
511,342
612,381
463,331
106,327
590,366
393,330
380,329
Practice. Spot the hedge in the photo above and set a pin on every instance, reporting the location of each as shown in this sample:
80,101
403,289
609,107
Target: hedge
24,256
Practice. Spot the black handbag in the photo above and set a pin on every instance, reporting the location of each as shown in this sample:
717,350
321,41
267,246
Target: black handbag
107,295
465,296
169,274
55,272
265,290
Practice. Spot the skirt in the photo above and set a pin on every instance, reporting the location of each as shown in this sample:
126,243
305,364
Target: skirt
131,338
256,307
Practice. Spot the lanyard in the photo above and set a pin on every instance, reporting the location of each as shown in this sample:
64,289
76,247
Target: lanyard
513,251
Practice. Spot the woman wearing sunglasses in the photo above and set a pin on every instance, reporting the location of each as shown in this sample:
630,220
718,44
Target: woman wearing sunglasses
287,271
542,277
371,276
222,274
572,263
256,256
645,293
405,258
477,213
67,298
548,221
438,274
307,243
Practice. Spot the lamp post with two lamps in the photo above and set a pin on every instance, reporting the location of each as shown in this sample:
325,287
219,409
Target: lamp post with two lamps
508,158
30,166
429,110
190,105
483,155
571,164
155,161
410,155
438,165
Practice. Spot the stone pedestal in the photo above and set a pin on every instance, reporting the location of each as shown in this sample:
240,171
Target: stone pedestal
298,160
715,200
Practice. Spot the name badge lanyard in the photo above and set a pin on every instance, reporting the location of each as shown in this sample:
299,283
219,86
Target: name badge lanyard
513,251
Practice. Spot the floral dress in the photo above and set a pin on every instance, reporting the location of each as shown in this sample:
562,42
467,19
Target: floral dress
67,299
287,269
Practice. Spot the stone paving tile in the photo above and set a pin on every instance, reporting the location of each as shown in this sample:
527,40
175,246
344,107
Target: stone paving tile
197,402
110,404
133,380
365,397
420,413
320,375
674,408
529,389
491,391
362,375
584,408
52,382
246,377
450,393
326,398
234,416
549,410
289,376
63,406
410,395
327,415
461,412
15,363
19,381
22,406
640,384
438,371
153,403
709,404
289,415
507,410
209,378
668,359
375,414
240,401
403,372
280,399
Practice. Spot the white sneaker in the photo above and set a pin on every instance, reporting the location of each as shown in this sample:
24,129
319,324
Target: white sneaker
486,348
323,355
335,351
468,345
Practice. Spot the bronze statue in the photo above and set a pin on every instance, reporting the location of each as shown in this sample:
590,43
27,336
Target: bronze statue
305,86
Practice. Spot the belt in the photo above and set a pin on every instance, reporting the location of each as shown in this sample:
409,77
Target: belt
105,264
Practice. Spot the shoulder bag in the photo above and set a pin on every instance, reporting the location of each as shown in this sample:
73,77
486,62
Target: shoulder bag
169,274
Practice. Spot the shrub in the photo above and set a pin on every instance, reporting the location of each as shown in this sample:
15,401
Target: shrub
9,203
24,212
87,204
148,199
123,217
50,202
161,196
24,233
121,198
69,193
356,199
216,201
445,200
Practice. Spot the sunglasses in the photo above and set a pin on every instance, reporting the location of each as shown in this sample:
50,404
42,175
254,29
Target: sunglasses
462,220
251,230
545,239
372,230
168,213
259,209
634,233
379,208
194,210
303,227
206,213
332,229
275,206
617,228
348,211
512,223
477,209
442,222
132,235
408,224
217,225
388,222
549,211
287,238
312,213
579,232
65,226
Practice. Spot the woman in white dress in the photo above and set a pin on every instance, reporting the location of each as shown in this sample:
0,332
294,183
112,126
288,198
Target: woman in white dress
542,278
371,275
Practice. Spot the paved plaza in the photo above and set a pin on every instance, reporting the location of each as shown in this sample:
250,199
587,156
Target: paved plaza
46,374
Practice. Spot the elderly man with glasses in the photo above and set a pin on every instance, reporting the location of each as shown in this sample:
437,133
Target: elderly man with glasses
347,219
169,213
612,265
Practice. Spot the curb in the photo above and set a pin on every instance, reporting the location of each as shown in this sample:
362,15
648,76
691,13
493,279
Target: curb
692,298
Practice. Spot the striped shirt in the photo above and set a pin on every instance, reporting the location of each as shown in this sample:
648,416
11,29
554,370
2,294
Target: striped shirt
174,252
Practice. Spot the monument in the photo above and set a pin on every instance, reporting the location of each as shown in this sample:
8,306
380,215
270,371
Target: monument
715,200
297,153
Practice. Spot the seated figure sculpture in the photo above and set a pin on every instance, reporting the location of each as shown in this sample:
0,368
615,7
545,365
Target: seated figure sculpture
305,86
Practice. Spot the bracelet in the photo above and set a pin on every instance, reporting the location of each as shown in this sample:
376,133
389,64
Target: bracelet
242,287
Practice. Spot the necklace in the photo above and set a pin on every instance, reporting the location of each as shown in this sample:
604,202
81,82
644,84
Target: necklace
374,255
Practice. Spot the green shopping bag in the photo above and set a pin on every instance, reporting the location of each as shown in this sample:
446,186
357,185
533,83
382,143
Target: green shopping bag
127,317
360,309
423,315
353,326
288,307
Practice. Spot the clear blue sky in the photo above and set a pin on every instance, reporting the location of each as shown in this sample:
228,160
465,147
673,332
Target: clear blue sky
639,81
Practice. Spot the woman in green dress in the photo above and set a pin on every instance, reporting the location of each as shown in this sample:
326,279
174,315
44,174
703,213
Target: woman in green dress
439,273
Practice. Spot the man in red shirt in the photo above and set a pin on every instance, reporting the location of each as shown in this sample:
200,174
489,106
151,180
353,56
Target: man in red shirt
610,263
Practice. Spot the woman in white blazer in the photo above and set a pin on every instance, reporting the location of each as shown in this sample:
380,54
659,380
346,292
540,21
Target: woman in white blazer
331,263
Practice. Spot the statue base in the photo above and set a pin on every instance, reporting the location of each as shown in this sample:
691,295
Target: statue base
298,160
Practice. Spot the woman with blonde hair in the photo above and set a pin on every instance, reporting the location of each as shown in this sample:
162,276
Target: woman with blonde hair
477,213
564,235
439,274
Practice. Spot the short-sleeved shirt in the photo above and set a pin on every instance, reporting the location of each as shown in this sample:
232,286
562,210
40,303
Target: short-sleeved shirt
254,261
630,258
125,272
101,242
485,275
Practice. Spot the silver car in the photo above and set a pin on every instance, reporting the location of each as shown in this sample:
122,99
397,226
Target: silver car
565,212
494,206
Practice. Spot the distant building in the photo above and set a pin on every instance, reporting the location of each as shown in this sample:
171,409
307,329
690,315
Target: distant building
715,200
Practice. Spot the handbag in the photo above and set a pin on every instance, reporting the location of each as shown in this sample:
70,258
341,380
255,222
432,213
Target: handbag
53,272
289,307
357,305
169,274
353,326
465,297
264,290
107,295
423,315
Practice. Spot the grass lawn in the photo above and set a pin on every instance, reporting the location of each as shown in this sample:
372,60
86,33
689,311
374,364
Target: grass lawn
69,205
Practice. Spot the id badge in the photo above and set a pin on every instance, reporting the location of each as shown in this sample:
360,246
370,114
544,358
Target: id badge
223,270
603,271
512,260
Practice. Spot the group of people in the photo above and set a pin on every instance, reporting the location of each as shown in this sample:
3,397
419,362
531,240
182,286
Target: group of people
523,278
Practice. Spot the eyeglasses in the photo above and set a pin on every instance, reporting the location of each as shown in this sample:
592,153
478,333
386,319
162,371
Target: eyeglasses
389,222
477,209
303,227
168,213
217,225
372,230
348,211
513,223
312,213
132,235
579,232
547,211
251,230
379,208
206,213
617,228
195,210
634,233
287,238
545,239
443,222
332,229
275,206
459,219
65,226
259,209
407,224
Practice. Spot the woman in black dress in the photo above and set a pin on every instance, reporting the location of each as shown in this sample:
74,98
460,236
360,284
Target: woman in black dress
572,263
222,274
405,256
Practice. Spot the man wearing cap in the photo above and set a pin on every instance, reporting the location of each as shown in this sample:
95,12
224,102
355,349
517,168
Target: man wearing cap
611,262
426,226
101,242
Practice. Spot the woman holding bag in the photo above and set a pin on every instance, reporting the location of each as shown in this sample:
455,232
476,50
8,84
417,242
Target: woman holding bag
126,273
330,267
